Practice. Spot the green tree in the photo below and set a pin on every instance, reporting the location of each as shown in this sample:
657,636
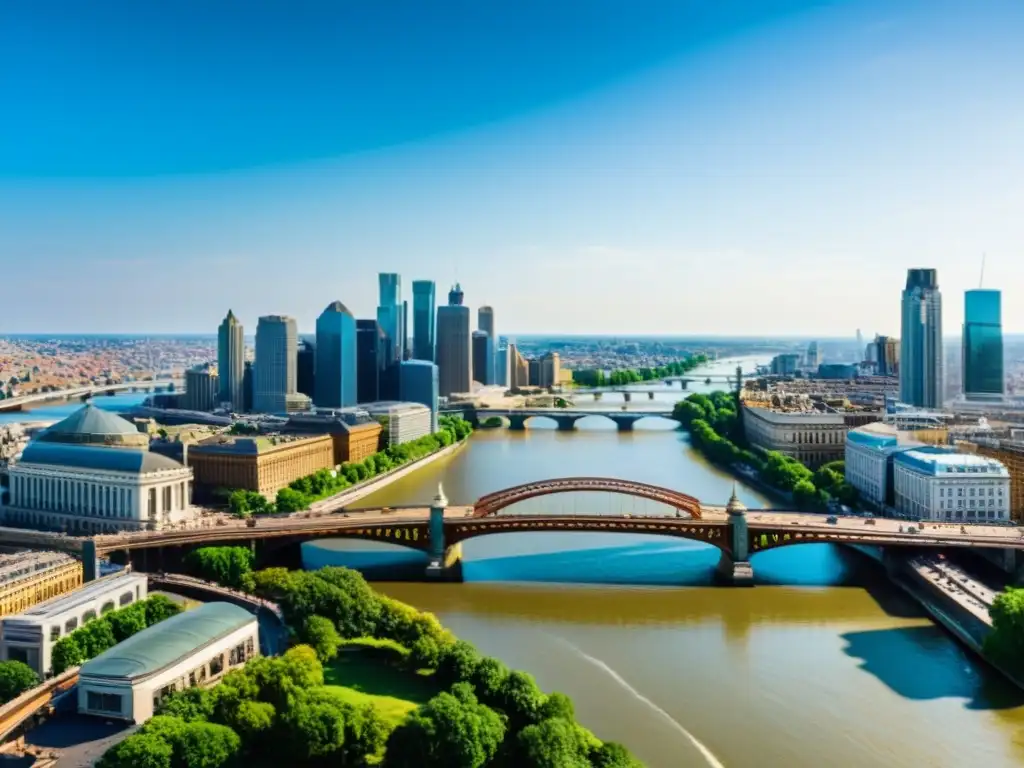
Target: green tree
805,495
96,637
225,565
66,653
553,743
320,634
290,500
141,750
458,663
1005,643
159,608
189,705
125,622
558,705
238,503
611,754
207,745
365,733
452,730
15,678
488,679
251,719
520,699
314,728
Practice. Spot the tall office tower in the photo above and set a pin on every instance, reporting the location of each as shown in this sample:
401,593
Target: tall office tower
812,358
275,381
454,349
305,368
983,345
231,362
483,358
485,320
247,386
550,369
860,343
518,368
406,341
419,384
389,314
884,352
423,318
921,362
501,363
336,383
202,388
371,350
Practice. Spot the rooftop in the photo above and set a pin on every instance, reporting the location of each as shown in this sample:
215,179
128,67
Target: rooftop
937,460
160,646
21,565
248,444
95,426
133,460
80,597
385,407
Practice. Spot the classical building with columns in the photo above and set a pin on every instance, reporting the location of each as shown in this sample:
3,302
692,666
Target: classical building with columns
94,473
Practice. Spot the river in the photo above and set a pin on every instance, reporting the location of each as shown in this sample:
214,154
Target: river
822,663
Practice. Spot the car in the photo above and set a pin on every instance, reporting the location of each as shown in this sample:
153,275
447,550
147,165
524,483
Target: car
831,520
869,521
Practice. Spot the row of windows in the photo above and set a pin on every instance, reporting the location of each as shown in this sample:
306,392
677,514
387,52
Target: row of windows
960,491
240,654
72,624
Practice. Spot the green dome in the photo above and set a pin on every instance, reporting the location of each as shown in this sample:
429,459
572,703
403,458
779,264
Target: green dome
94,426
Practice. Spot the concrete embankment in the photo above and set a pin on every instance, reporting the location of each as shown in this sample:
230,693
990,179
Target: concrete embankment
367,487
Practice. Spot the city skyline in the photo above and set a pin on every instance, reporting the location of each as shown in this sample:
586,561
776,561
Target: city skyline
633,178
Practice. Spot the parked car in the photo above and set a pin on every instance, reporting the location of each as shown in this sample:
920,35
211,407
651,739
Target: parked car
831,520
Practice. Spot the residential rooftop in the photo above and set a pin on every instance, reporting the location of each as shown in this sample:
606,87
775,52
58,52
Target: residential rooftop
937,460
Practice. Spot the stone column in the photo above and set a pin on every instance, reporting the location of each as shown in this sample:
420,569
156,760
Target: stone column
734,567
444,562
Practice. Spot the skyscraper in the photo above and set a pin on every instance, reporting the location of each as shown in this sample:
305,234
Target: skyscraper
406,351
275,376
231,362
813,357
390,314
501,363
454,351
423,318
983,344
419,384
336,383
921,362
305,368
485,320
483,358
371,348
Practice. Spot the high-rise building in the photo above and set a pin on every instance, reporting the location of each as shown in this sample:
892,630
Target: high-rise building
202,388
275,380
419,384
485,320
860,342
336,382
247,387
921,362
305,368
454,349
884,352
813,358
501,364
550,369
406,341
483,358
423,319
983,345
371,350
231,362
390,314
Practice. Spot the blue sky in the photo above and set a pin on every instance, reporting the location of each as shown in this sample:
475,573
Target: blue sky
583,166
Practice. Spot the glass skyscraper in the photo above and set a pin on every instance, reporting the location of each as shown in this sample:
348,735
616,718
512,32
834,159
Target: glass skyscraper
335,381
390,314
424,300
921,353
370,350
231,362
983,344
419,384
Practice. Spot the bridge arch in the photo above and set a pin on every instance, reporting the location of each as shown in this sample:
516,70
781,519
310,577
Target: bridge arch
493,503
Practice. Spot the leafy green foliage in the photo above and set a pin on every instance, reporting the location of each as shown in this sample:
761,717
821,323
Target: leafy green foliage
596,377
225,565
140,750
1005,643
319,633
554,743
15,678
108,630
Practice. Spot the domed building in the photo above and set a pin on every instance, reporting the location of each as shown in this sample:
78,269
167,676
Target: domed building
93,472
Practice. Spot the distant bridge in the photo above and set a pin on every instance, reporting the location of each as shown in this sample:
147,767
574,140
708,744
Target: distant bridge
566,418
16,403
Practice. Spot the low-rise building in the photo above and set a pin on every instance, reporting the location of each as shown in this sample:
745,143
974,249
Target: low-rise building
29,636
196,647
1010,453
27,578
264,464
941,484
869,459
355,433
405,421
812,437
202,388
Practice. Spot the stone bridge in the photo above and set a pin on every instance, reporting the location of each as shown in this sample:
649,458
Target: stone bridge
566,418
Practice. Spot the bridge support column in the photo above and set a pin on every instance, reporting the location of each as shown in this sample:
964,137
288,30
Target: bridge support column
734,567
624,423
90,561
516,422
443,563
565,423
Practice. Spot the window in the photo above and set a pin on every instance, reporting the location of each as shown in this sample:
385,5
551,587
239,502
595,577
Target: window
107,607
192,679
88,616
71,625
237,655
55,633
152,503
104,702
216,665
125,599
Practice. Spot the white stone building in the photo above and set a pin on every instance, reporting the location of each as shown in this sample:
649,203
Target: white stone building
406,421
869,455
811,437
93,473
30,636
196,647
932,483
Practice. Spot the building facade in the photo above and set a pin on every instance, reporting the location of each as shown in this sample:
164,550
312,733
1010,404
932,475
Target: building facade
501,364
29,636
424,308
93,472
519,368
231,362
812,358
356,436
405,421
29,578
921,353
485,321
305,368
275,379
940,484
371,360
419,384
550,369
483,358
202,389
390,315
263,464
1010,453
811,437
983,345
884,354
454,349
336,358
196,647
869,456
785,365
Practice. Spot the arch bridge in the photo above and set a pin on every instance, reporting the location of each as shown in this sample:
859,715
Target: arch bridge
493,503
566,418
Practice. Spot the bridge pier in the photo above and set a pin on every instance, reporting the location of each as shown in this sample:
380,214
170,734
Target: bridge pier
444,563
734,567
625,423
566,423
517,422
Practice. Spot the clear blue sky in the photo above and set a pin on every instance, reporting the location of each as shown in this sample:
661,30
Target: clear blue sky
583,166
